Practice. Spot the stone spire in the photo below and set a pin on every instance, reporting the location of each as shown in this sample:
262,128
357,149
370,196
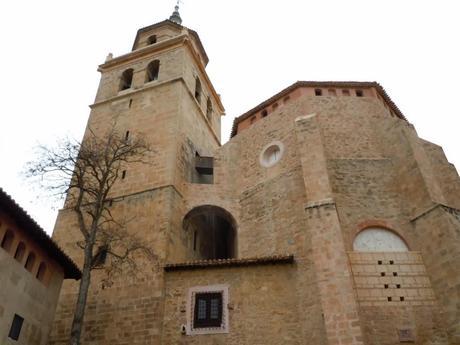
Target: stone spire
175,16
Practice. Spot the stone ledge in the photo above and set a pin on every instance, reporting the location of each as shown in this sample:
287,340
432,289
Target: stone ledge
266,260
319,203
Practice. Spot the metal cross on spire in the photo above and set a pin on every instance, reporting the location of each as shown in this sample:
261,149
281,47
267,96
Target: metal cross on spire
175,16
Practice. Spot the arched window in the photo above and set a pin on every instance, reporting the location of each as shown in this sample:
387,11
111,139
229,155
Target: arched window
30,262
211,233
377,239
152,40
7,240
153,69
20,251
41,272
209,109
198,90
126,79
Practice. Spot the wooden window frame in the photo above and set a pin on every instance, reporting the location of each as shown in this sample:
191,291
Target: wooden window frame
217,327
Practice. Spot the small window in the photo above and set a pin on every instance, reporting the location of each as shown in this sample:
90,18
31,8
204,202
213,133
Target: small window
271,154
208,310
153,69
16,327
209,109
30,262
20,251
359,93
41,272
386,286
100,257
395,274
126,79
152,39
7,241
318,92
265,112
346,92
123,175
389,299
198,89
332,92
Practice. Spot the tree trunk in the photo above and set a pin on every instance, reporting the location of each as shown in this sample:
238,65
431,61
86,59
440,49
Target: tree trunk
77,323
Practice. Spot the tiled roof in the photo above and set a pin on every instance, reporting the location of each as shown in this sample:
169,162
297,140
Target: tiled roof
298,84
38,235
200,264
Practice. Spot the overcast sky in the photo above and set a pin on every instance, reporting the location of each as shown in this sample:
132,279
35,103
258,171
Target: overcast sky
50,51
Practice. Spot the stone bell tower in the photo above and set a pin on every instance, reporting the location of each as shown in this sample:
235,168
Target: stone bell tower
159,90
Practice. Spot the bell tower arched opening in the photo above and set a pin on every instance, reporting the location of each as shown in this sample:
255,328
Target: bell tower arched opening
211,233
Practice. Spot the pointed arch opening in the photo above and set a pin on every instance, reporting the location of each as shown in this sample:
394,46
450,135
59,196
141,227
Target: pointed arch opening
198,89
153,69
209,109
41,272
126,79
30,262
20,251
211,233
152,40
7,241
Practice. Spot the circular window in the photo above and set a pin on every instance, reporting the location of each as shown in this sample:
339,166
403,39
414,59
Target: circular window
271,154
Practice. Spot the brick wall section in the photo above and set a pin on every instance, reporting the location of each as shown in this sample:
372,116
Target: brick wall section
262,301
333,273
404,276
436,234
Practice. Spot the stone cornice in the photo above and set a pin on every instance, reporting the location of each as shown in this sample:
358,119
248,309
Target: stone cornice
148,86
217,263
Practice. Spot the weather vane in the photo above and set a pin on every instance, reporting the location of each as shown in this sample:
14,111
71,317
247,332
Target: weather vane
175,16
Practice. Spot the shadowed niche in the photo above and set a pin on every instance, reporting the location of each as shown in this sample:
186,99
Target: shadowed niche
210,232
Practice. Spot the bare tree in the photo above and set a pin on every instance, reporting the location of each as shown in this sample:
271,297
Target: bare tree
85,172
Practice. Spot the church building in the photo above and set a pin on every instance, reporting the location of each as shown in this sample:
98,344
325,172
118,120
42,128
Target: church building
324,219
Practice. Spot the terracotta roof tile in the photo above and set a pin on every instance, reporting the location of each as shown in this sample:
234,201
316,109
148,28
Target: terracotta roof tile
199,264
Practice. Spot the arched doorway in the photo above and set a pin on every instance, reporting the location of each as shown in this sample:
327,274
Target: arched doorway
211,233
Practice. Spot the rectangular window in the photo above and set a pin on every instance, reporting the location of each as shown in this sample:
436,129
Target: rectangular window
208,310
16,326
318,92
359,93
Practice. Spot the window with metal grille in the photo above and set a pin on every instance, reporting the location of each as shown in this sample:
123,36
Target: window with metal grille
208,310
16,326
